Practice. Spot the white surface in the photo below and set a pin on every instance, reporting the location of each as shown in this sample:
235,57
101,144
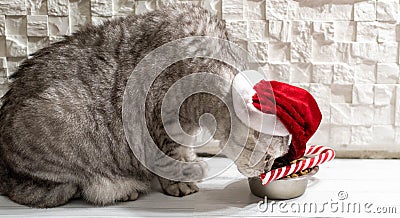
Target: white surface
365,181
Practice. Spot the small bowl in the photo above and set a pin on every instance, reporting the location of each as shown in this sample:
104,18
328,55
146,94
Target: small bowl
281,189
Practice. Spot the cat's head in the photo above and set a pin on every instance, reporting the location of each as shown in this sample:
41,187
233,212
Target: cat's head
259,136
273,112
259,152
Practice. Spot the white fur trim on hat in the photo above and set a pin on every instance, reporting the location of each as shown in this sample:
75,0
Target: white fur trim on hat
242,93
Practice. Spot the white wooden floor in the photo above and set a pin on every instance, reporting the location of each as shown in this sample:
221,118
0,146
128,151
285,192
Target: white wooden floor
374,185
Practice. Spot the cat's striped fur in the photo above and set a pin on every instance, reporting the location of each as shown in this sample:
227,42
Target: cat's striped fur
61,133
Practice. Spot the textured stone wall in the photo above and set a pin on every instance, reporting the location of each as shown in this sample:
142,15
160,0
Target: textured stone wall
343,51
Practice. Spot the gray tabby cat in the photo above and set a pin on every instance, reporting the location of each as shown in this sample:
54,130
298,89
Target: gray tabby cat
61,127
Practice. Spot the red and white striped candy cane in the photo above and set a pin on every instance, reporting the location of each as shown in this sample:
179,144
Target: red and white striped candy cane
322,154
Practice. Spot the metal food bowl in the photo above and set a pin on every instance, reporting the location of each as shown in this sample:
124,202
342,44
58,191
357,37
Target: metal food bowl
281,189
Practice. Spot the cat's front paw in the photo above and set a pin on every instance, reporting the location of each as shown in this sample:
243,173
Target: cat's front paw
178,189
131,197
196,171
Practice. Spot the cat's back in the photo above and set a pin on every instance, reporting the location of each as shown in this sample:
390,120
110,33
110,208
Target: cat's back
88,70
94,54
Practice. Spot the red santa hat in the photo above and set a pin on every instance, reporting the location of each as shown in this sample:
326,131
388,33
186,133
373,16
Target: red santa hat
276,108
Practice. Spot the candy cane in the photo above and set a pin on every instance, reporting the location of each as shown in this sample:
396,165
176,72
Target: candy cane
322,155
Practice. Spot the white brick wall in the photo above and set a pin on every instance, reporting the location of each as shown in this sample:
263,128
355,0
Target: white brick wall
345,52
